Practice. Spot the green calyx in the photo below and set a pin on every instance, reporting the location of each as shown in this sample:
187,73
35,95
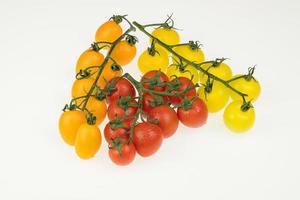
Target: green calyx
246,106
115,67
118,18
83,74
131,39
95,47
218,61
194,45
249,75
186,103
158,100
154,81
125,102
117,144
91,119
117,123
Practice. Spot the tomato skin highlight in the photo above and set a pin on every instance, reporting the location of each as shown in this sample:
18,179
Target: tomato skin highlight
194,117
151,74
123,53
69,123
167,119
123,88
237,120
110,134
88,141
108,32
147,138
158,61
184,83
127,154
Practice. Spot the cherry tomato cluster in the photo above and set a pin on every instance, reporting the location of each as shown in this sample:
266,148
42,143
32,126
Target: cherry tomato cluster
177,85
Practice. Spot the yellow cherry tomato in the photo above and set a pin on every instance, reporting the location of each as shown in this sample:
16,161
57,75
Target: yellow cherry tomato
222,71
108,32
88,141
98,108
109,72
216,99
250,87
123,53
189,72
236,119
81,88
194,55
166,35
148,62
69,123
89,58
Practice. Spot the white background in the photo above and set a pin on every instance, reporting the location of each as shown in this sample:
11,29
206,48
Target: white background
40,42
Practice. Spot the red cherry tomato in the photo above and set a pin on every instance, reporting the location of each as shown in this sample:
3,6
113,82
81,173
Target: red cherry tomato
117,110
166,118
122,88
150,101
153,79
125,156
194,116
182,83
147,138
111,134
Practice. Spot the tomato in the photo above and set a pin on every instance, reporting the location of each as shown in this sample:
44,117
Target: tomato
154,80
147,138
123,53
182,84
148,62
125,156
98,108
122,88
236,119
151,101
250,87
69,123
216,99
195,55
108,32
89,58
117,110
110,133
189,72
222,71
166,35
88,141
166,118
81,87
194,114
109,72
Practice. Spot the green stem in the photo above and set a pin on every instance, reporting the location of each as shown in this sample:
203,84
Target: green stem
197,66
236,78
138,86
113,45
